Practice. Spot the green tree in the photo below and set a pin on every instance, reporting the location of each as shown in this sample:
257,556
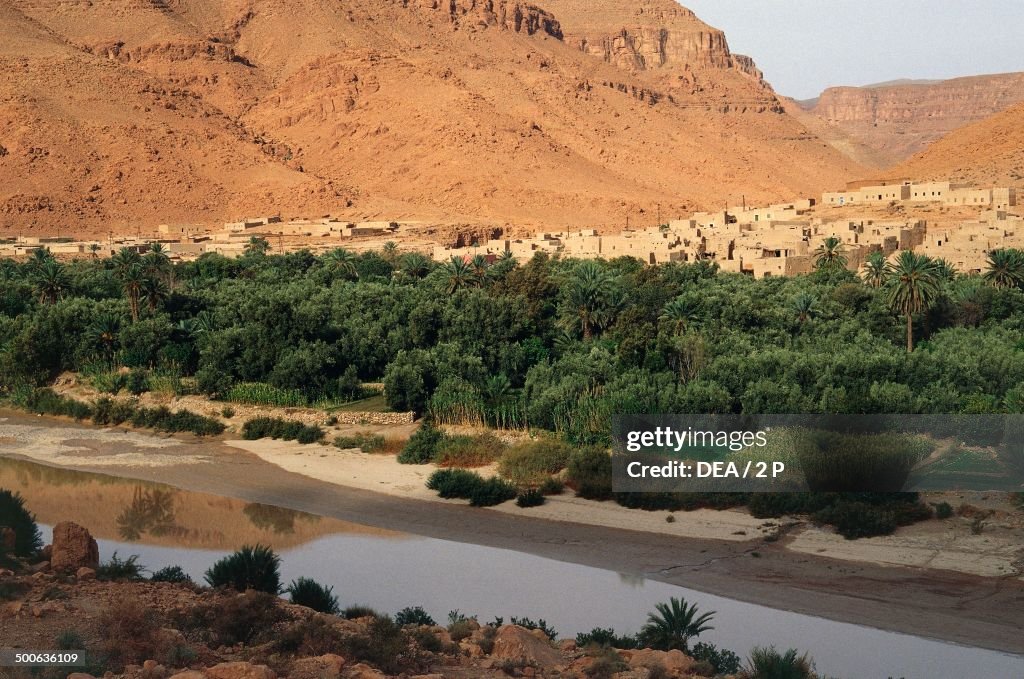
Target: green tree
913,286
874,270
673,624
459,275
415,265
50,280
805,307
831,253
589,299
341,262
104,332
133,280
679,314
1005,268
257,247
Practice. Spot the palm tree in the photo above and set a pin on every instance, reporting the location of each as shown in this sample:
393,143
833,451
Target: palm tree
947,272
508,259
133,279
94,249
257,247
390,251
831,253
914,285
342,262
589,297
415,265
767,663
804,307
459,274
674,624
155,292
157,260
1005,268
50,280
124,259
679,314
104,332
39,257
8,270
874,270
479,264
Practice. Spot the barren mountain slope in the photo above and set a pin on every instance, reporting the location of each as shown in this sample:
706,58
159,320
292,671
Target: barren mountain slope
487,112
990,152
900,119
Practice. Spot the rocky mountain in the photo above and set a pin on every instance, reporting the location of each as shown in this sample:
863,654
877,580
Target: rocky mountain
116,115
987,153
901,118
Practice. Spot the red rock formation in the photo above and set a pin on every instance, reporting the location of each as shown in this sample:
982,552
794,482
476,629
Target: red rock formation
73,548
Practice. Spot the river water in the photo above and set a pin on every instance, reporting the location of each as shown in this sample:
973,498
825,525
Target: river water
388,571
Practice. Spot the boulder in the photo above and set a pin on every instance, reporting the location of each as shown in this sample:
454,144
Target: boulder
513,642
73,548
321,667
240,670
85,573
362,671
675,661
188,674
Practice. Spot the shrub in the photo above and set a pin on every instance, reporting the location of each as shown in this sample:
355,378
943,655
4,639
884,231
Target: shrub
722,660
48,402
855,520
590,473
383,645
490,492
427,640
110,412
14,515
469,451
69,640
241,619
453,483
414,615
358,611
138,381
532,463
943,510
461,629
227,412
605,637
255,568
311,594
310,637
365,442
767,663
541,624
552,486
129,632
171,574
278,428
530,498
605,664
10,590
118,570
422,445
162,419
673,624
109,383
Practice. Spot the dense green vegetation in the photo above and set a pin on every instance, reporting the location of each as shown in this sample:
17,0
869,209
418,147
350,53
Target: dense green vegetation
251,567
551,344
15,516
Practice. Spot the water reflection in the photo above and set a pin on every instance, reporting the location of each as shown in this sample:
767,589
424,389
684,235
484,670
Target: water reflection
150,511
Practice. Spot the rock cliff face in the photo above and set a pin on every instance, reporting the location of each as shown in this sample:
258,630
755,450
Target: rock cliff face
899,120
513,16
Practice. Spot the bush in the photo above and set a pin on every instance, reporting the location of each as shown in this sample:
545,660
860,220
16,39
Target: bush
722,660
48,402
422,445
427,640
118,570
453,483
138,381
532,463
365,442
278,428
162,419
171,574
227,412
310,637
240,619
855,520
10,590
358,611
255,568
13,514
490,492
110,412
552,486
311,594
383,645
541,624
469,451
590,473
605,637
767,663
530,498
129,633
943,510
414,615
69,640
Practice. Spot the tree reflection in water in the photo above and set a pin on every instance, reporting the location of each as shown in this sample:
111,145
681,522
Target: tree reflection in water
278,519
151,511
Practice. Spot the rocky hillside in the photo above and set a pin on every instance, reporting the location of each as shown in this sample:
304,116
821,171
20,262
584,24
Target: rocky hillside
989,152
116,115
900,119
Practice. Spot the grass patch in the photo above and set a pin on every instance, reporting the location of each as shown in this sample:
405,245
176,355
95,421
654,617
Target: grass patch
469,451
279,428
532,463
364,441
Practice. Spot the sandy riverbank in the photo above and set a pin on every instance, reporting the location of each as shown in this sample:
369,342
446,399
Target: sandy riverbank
701,550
